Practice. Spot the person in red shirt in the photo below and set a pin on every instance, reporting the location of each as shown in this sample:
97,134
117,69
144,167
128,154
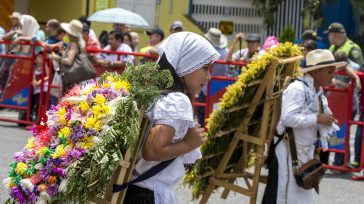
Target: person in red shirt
91,43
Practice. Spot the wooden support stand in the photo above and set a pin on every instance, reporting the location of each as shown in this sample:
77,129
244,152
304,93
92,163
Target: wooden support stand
124,172
252,140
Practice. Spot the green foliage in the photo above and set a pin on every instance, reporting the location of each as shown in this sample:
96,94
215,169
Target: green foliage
287,35
148,82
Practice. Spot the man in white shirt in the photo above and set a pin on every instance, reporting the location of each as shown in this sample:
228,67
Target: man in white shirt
115,61
305,110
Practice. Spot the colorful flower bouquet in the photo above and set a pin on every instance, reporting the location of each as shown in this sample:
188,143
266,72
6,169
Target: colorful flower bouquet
78,145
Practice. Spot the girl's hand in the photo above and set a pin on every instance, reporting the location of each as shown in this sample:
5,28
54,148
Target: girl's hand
195,137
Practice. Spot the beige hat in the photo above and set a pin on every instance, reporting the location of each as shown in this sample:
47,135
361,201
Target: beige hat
216,38
73,28
318,59
15,15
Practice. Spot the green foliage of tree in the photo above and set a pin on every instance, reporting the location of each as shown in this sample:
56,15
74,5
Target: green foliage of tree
288,34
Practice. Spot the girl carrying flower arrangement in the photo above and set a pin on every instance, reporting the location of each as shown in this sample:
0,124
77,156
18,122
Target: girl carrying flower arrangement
174,135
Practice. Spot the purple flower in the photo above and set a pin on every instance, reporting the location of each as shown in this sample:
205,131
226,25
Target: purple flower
32,197
91,132
60,171
19,156
16,193
52,189
68,114
77,133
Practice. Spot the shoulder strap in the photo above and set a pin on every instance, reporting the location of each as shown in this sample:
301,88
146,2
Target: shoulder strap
292,148
150,172
146,175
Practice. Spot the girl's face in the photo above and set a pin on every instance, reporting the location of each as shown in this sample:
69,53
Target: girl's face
127,40
197,79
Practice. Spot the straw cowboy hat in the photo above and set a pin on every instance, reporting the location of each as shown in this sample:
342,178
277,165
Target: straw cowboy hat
15,15
73,28
216,38
318,59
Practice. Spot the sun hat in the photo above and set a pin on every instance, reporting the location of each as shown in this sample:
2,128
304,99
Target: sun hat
15,15
318,59
73,28
335,28
216,38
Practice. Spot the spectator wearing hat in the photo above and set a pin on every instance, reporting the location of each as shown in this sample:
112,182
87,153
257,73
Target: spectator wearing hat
177,26
219,42
156,35
301,104
76,45
340,42
246,54
311,35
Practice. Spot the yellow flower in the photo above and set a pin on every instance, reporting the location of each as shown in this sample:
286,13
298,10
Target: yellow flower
21,167
64,131
99,99
89,88
123,84
105,85
43,150
100,110
59,152
84,106
94,123
30,143
110,78
87,142
61,114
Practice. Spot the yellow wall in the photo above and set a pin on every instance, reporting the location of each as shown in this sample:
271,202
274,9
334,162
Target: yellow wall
179,10
66,10
6,8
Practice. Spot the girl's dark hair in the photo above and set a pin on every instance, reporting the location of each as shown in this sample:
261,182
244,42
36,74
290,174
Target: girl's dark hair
309,45
130,39
179,83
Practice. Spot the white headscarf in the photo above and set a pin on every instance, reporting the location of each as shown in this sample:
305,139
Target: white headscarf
187,51
29,25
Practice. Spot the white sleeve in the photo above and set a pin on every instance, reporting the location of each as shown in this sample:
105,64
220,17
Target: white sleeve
291,112
174,110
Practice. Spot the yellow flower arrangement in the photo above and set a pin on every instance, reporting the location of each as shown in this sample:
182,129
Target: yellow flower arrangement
93,122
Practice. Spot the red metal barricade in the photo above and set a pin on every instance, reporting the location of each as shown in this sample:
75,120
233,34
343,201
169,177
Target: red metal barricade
338,112
24,70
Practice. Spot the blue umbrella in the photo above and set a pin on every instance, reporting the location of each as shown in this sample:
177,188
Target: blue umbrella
118,15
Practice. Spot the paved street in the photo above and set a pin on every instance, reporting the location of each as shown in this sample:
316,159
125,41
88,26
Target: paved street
335,189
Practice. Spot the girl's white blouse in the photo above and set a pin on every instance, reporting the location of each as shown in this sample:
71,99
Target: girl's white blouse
174,110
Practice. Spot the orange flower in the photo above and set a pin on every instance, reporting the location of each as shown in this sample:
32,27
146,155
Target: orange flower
42,187
52,179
